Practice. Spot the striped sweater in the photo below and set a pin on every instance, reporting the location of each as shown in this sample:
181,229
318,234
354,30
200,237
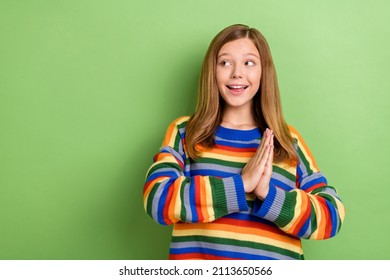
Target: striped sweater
214,218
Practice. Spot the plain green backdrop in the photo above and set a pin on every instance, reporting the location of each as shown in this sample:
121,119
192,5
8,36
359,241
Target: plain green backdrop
88,88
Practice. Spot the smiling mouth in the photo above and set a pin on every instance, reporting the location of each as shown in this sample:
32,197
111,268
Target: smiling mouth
236,87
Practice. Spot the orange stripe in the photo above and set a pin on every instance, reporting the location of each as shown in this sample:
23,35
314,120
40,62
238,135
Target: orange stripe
197,256
198,204
326,222
273,231
169,133
174,189
167,205
305,213
303,143
232,153
150,184
238,229
203,201
235,149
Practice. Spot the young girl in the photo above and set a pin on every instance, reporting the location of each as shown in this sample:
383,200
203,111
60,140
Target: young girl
235,180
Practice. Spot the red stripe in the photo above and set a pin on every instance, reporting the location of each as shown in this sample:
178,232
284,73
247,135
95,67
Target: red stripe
198,256
146,185
306,215
166,206
234,149
198,205
328,223
319,185
248,224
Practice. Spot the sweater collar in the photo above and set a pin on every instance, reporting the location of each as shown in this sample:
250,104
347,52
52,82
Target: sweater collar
238,134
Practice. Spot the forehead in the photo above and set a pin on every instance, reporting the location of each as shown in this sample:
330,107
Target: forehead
239,47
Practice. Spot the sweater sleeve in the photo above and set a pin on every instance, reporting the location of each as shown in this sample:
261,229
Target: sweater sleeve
313,210
169,196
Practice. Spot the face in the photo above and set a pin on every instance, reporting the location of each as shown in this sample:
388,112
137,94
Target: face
238,73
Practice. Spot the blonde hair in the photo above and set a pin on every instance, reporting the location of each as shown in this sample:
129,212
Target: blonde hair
266,103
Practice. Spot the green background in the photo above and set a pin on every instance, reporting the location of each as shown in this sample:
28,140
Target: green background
88,88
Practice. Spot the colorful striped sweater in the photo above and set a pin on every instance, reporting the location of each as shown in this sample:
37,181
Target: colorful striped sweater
214,218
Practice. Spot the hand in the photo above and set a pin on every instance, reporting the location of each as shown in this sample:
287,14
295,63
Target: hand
262,187
255,168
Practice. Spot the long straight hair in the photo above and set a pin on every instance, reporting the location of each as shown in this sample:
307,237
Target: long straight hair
267,107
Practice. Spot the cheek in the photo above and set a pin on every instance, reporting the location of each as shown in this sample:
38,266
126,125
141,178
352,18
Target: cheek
256,77
220,79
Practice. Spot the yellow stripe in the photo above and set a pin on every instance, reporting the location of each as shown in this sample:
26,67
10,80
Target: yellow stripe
224,157
241,237
177,199
318,213
209,202
341,209
168,159
297,212
286,167
305,152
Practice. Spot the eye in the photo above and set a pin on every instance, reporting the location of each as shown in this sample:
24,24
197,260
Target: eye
250,63
225,63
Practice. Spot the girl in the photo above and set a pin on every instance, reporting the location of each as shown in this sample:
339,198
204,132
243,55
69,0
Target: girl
235,180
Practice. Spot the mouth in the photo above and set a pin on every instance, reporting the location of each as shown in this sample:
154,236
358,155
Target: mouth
237,90
236,87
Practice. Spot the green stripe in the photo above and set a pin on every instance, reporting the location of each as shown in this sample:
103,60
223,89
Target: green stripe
220,162
283,172
288,209
151,197
177,142
160,165
182,125
329,198
219,197
239,243
183,212
305,162
313,219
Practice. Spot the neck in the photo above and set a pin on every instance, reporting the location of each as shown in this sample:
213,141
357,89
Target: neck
238,118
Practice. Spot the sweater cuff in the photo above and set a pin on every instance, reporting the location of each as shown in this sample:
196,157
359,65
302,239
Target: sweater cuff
235,194
272,205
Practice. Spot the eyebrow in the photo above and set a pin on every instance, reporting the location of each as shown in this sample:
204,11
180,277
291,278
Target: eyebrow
247,54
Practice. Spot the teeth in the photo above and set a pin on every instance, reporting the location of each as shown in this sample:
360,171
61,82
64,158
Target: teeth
237,87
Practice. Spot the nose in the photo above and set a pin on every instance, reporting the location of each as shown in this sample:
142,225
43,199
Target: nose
237,72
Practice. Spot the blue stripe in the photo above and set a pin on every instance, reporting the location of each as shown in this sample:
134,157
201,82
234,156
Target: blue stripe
192,200
262,209
162,202
158,174
236,145
281,184
333,217
311,183
209,172
299,174
303,229
168,151
228,254
250,218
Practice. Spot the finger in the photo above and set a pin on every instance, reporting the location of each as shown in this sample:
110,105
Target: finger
262,149
270,159
264,138
264,156
264,141
268,140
